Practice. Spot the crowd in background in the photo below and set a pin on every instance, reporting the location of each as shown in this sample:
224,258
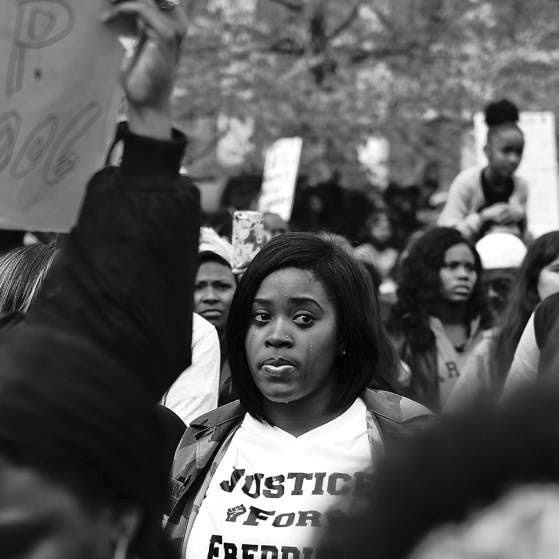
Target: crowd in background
360,390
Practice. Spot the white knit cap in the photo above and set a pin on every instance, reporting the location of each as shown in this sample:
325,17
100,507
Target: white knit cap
211,242
501,250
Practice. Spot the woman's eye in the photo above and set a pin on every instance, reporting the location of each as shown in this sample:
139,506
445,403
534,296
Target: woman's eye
260,316
303,319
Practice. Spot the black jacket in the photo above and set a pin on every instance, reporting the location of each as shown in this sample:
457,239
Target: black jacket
125,274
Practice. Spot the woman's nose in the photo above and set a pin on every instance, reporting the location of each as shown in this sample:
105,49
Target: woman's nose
463,271
279,336
209,295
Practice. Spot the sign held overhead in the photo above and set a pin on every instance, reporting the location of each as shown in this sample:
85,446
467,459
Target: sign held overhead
280,177
58,79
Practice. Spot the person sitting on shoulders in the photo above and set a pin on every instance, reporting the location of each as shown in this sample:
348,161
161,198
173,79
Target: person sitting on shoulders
479,199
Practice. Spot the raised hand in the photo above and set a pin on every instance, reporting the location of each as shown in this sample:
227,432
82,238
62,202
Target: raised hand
149,72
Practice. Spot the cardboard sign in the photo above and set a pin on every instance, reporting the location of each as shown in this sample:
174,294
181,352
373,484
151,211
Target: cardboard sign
280,177
58,80
538,167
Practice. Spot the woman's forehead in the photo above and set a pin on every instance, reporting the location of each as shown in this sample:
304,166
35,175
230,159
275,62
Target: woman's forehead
292,283
290,278
460,251
509,135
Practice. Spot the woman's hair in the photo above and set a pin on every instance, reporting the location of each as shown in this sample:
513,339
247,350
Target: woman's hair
500,113
22,271
522,301
419,285
369,353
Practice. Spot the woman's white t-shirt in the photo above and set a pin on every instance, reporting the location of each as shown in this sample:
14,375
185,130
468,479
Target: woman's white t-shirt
272,492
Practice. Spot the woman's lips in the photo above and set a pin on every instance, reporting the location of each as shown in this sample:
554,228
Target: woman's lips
461,289
211,313
278,370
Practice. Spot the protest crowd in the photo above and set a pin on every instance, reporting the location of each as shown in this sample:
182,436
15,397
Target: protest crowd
243,386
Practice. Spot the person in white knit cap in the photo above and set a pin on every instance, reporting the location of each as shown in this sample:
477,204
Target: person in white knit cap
501,255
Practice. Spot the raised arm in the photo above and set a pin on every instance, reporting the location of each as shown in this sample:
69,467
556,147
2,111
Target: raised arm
124,276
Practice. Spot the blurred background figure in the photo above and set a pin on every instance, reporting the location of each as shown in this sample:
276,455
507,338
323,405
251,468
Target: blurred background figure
377,247
402,204
215,282
199,388
274,225
428,214
536,279
501,256
483,485
213,293
440,315
480,199
538,333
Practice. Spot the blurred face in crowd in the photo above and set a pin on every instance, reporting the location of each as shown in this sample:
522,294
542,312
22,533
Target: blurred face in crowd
504,150
41,519
292,338
497,285
213,292
458,274
380,228
548,281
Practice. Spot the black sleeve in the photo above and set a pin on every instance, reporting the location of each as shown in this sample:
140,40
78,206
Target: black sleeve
124,276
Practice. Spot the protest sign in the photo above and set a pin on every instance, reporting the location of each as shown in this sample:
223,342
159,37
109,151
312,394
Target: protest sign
248,238
280,177
538,167
58,80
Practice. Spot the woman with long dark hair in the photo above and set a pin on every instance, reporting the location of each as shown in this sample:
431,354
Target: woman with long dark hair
440,315
538,278
305,340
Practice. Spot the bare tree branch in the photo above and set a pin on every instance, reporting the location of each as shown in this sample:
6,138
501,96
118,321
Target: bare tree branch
343,25
286,46
361,54
387,23
291,5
